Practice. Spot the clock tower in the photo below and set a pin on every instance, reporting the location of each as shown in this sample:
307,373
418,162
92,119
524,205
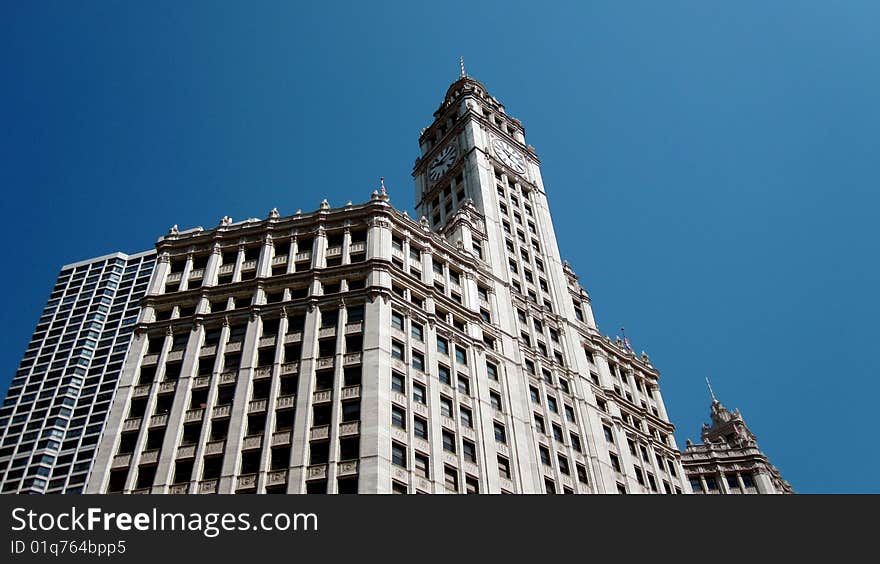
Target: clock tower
478,184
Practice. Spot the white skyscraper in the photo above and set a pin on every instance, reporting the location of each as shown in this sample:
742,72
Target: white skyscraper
355,349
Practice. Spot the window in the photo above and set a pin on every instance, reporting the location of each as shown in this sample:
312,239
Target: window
535,395
464,385
711,484
569,413
450,478
398,382
421,465
469,451
443,375
696,485
639,476
504,467
581,473
471,485
418,361
495,400
747,479
609,435
545,456
398,455
448,441
396,320
419,393
563,464
398,417
460,355
445,406
557,433
492,371
465,417
539,424
420,428
551,404
397,350
442,346
615,462
500,434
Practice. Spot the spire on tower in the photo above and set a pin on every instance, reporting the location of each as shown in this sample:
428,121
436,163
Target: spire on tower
711,393
461,63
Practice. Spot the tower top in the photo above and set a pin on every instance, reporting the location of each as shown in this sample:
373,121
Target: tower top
461,63
711,393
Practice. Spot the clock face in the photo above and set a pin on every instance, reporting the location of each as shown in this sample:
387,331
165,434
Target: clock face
442,162
509,155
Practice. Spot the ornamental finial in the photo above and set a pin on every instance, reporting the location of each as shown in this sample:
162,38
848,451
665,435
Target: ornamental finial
461,63
382,183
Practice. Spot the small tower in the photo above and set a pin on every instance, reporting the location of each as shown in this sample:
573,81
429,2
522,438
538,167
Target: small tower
729,460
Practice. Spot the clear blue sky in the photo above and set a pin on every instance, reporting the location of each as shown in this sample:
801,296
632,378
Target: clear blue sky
712,169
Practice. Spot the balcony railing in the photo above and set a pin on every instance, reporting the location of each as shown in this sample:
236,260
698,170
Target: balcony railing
319,432
351,358
257,405
293,337
246,482
178,489
121,460
159,420
326,332
281,438
215,447
325,362
276,477
285,401
317,472
252,442
208,486
193,415
347,468
267,341
322,396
